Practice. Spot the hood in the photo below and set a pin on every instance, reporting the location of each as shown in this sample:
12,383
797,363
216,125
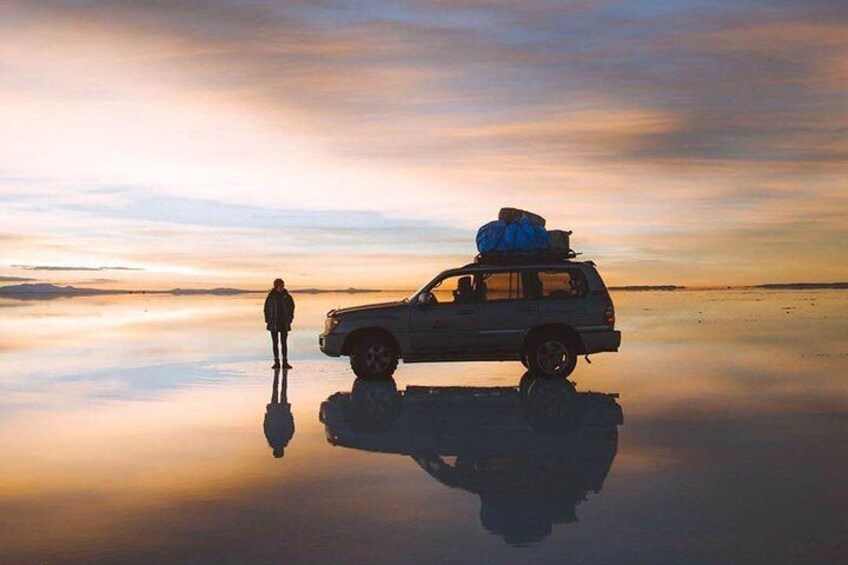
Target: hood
366,308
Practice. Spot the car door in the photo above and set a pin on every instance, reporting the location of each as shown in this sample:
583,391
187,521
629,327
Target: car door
507,312
446,328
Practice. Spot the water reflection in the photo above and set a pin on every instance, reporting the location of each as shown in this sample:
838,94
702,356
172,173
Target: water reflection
109,428
531,452
279,422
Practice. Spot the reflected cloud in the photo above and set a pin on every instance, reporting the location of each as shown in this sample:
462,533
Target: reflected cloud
531,453
130,414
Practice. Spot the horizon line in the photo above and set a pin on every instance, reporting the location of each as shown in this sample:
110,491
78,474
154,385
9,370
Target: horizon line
69,289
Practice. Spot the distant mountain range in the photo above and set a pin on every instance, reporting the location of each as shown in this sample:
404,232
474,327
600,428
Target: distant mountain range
803,286
52,289
38,288
647,287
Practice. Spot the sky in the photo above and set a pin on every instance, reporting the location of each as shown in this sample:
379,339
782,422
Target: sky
156,144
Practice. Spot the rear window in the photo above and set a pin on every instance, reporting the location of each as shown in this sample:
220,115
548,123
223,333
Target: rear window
570,283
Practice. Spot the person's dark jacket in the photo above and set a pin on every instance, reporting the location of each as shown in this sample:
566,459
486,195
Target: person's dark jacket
279,311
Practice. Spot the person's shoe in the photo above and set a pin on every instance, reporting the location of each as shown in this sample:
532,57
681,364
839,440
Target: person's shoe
276,364
286,365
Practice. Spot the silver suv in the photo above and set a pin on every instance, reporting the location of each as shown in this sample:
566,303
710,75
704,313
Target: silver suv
543,314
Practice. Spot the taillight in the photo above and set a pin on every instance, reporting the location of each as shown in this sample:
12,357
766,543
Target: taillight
609,316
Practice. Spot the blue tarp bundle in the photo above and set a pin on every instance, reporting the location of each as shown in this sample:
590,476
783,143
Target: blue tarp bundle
519,236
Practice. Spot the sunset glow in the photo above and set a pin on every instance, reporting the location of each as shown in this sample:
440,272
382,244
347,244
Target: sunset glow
151,145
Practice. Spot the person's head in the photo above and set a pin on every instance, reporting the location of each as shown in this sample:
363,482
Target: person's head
279,285
278,452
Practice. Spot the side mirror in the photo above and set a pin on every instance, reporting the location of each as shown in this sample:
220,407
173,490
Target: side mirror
424,299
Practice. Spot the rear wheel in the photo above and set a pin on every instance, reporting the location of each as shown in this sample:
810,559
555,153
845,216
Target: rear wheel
374,357
551,355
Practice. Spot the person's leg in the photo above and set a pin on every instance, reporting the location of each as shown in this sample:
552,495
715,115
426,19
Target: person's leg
284,339
274,345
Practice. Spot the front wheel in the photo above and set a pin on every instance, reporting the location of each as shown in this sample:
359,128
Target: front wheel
552,356
373,358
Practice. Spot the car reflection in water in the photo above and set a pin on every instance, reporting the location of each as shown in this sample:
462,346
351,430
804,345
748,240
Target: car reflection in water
531,452
278,424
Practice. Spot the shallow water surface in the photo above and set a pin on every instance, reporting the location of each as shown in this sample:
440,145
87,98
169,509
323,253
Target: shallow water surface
152,429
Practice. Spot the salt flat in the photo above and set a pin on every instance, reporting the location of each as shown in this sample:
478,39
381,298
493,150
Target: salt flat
132,431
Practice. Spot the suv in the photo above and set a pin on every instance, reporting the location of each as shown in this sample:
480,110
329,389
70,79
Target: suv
542,313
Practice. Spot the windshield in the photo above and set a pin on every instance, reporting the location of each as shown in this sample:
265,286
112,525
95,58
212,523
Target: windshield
421,289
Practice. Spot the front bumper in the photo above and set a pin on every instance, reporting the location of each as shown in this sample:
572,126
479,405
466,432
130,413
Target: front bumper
331,343
597,342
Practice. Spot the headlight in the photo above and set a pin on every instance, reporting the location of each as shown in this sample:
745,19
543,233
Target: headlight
330,324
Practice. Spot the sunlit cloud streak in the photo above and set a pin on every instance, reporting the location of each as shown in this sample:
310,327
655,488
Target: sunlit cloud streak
72,268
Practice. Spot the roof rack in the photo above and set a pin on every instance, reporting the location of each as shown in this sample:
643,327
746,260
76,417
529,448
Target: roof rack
525,257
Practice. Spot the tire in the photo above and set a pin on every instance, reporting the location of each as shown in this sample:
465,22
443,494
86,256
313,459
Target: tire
374,358
551,355
525,361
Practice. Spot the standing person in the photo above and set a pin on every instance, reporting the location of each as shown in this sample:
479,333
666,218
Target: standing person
279,313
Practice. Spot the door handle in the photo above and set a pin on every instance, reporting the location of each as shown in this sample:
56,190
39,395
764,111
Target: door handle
438,324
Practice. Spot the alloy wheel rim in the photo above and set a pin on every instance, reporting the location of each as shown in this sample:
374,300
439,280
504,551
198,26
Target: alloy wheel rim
377,358
552,356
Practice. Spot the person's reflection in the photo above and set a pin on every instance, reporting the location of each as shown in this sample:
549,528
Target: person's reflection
530,452
279,422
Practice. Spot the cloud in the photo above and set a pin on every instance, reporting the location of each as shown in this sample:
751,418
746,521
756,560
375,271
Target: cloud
654,130
136,204
73,268
15,279
404,83
99,281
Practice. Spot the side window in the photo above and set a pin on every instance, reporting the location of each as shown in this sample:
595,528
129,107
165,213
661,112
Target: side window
455,290
505,286
563,284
